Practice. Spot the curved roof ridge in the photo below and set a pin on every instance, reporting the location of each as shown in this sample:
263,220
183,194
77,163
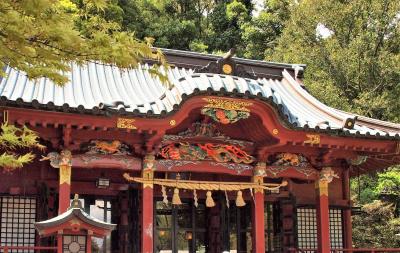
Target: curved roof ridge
314,101
143,93
333,112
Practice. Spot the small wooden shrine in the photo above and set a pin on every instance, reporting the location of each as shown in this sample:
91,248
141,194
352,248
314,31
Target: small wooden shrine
234,156
74,229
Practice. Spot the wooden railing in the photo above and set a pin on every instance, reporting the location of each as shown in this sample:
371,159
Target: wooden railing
359,250
6,249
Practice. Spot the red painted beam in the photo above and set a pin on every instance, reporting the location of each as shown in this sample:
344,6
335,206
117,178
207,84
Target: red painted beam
269,119
204,167
123,162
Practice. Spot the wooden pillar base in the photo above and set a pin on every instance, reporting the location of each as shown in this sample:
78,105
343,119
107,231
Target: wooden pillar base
258,222
147,219
258,213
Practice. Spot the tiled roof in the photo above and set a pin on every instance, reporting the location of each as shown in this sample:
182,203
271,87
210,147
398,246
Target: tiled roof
70,214
96,83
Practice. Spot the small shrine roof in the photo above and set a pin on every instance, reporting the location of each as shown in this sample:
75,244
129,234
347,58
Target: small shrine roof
96,83
74,212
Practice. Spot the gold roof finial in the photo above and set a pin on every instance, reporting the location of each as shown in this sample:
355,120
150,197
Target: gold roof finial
76,203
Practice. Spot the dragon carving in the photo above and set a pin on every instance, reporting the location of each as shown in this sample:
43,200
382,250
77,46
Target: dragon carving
288,159
226,153
216,152
107,147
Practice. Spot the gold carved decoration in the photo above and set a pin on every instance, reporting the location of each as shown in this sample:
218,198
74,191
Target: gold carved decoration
313,139
148,176
326,176
56,159
148,170
260,169
126,123
275,131
322,187
63,161
172,122
227,104
259,180
258,175
226,111
75,225
227,69
65,174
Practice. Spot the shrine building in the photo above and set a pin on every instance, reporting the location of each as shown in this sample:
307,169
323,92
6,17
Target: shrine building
233,155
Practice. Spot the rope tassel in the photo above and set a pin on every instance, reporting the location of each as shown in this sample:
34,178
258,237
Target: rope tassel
209,200
164,194
196,203
239,199
227,199
176,200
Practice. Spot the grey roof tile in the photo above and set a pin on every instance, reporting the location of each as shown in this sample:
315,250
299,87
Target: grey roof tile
96,83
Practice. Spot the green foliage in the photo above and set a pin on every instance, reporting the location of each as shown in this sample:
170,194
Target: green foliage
42,37
363,189
201,25
376,227
204,25
351,49
355,64
389,182
378,195
261,33
198,46
13,138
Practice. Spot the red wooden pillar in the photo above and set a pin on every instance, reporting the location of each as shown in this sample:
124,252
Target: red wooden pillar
89,242
348,240
322,209
64,191
147,205
59,243
258,232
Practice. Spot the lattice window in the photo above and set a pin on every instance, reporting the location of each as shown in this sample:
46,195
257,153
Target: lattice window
336,228
307,228
74,244
17,217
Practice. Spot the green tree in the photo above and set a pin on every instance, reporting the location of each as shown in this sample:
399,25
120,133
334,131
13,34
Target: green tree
379,199
376,226
225,21
42,38
174,23
351,49
13,138
260,35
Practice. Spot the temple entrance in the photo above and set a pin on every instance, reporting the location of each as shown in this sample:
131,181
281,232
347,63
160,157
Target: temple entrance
189,229
180,228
